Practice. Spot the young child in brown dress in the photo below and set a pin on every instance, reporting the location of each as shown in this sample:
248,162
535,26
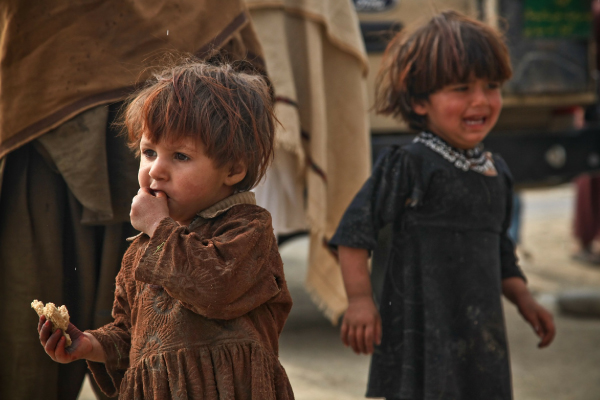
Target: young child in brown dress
201,297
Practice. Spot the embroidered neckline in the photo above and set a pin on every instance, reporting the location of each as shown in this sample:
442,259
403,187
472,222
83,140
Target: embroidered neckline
474,159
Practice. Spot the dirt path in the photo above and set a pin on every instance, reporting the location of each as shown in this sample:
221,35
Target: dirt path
546,236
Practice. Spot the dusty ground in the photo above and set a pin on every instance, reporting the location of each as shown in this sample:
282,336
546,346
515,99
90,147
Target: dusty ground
321,368
569,369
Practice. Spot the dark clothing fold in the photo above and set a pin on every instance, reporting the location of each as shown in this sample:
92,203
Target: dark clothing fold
442,319
47,254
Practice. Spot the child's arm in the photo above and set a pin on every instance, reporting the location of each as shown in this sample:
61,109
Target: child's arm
361,326
379,202
513,280
223,276
539,318
84,346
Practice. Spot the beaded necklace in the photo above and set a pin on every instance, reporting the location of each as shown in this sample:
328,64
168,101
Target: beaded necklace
474,159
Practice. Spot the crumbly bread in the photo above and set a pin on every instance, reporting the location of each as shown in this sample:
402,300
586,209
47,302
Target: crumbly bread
58,316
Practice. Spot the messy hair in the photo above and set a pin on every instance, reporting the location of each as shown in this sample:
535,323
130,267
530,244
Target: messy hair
227,107
449,49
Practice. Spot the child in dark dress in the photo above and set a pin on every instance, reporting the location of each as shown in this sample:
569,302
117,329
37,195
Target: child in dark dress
201,296
439,332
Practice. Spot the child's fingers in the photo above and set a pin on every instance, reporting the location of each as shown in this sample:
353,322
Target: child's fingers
548,330
532,317
349,337
360,336
546,340
352,338
378,331
356,338
543,326
344,333
52,343
45,331
369,339
359,339
534,322
41,322
60,354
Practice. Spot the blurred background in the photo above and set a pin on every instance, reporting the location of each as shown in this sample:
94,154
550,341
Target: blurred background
322,57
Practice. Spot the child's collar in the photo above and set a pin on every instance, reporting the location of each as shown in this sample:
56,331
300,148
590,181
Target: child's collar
228,202
473,159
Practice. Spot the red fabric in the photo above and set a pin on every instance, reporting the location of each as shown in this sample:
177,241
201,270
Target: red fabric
587,209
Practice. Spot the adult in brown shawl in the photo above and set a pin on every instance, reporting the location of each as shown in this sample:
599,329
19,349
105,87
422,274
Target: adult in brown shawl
61,232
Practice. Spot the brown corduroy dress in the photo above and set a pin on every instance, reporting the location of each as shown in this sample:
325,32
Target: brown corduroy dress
198,311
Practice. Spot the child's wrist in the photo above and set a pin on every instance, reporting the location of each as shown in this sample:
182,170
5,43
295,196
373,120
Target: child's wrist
359,298
96,354
154,226
514,288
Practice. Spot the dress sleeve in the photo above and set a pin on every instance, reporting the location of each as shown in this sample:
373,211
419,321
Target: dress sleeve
508,259
224,276
115,337
379,202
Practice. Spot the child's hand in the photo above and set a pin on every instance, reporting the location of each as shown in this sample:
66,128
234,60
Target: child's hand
54,343
148,208
361,327
539,318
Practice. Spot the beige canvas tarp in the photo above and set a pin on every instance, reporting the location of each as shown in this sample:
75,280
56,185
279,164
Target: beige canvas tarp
315,56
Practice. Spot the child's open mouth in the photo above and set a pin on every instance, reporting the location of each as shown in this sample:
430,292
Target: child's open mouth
155,192
475,121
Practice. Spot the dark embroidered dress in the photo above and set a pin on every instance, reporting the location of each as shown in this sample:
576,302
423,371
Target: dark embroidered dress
443,324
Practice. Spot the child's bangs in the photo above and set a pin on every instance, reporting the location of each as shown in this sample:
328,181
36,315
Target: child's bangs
163,117
459,53
482,57
469,53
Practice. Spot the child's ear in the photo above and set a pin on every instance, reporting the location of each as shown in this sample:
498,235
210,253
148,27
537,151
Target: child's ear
237,172
420,107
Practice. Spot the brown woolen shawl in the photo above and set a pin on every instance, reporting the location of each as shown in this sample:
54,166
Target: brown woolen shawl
57,60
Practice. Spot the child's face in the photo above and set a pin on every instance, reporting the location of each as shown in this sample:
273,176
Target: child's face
185,174
463,113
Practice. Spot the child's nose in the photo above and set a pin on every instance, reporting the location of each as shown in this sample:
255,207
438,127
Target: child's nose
479,96
158,170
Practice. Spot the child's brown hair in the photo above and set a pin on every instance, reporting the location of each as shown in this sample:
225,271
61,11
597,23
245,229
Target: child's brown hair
228,107
450,48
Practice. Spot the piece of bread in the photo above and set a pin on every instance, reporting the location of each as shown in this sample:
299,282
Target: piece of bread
58,316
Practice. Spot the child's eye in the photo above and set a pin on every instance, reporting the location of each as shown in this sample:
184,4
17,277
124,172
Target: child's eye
149,153
181,157
493,85
460,88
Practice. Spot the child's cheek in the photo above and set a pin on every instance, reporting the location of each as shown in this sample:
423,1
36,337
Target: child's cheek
143,176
